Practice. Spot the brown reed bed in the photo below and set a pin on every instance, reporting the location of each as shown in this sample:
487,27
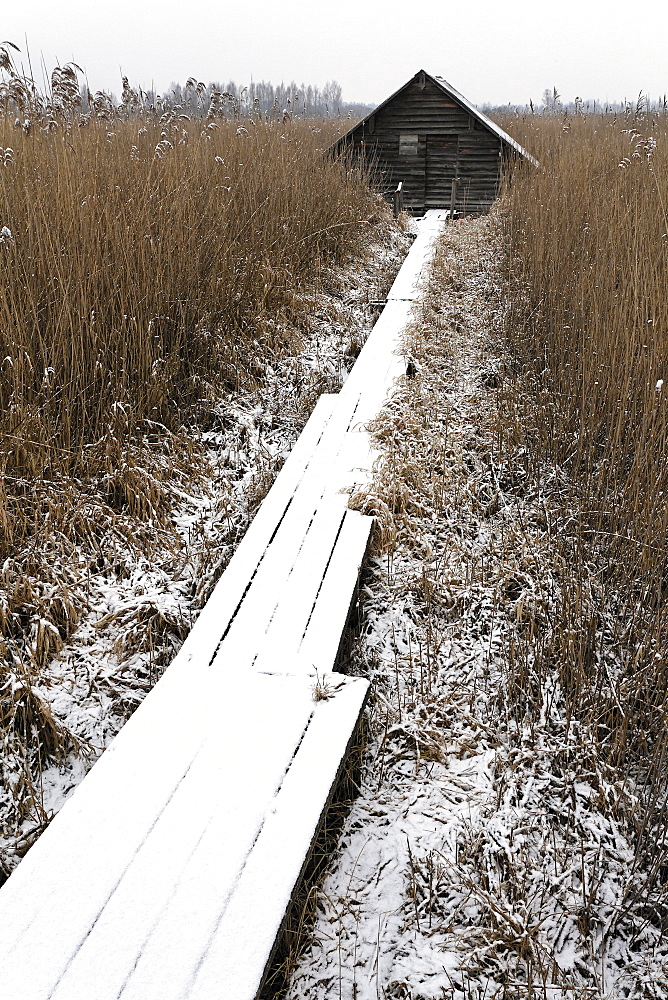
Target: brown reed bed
584,406
147,260
153,260
141,256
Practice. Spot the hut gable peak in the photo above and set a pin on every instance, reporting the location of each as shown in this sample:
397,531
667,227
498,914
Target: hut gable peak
420,78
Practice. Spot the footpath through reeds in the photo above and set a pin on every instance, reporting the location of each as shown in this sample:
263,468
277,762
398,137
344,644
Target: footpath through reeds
496,848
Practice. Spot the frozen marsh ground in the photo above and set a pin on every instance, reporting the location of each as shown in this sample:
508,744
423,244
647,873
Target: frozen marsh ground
490,851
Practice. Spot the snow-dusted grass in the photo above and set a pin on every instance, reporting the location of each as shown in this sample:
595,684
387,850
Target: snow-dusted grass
492,851
128,585
589,337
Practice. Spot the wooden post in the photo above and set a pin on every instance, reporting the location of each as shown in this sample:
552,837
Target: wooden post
399,199
453,198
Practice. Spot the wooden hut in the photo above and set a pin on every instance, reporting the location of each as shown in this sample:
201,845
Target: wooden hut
445,152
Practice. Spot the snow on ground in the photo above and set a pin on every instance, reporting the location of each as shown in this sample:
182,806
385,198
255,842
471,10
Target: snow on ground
487,854
139,605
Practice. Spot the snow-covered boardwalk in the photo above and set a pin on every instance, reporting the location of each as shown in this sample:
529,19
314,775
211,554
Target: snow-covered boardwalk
169,871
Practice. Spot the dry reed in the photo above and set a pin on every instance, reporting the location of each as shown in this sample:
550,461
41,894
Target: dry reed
142,254
585,403
152,259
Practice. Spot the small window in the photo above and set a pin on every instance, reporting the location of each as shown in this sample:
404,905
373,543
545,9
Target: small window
408,145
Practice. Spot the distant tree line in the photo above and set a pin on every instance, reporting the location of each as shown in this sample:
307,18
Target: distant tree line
232,100
552,104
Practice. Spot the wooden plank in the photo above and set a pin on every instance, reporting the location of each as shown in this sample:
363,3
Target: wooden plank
405,284
390,367
200,841
273,610
376,355
57,894
359,400
354,463
204,637
377,365
276,648
249,627
331,537
104,795
313,627
240,952
162,927
372,402
370,379
321,642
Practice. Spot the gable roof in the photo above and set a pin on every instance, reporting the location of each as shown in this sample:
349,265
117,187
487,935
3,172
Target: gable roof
448,89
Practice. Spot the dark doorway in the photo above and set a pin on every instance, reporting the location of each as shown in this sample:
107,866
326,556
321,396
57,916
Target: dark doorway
442,154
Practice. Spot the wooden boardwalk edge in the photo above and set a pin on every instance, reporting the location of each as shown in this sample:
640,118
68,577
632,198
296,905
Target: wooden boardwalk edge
325,749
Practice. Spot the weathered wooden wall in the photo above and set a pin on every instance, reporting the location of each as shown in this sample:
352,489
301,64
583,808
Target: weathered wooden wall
451,144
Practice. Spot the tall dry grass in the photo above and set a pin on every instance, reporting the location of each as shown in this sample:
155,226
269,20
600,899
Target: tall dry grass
151,261
141,255
587,405
147,260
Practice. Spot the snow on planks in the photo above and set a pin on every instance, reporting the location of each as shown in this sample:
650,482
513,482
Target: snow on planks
169,872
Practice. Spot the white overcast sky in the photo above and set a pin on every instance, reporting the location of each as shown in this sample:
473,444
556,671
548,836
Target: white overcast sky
495,51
